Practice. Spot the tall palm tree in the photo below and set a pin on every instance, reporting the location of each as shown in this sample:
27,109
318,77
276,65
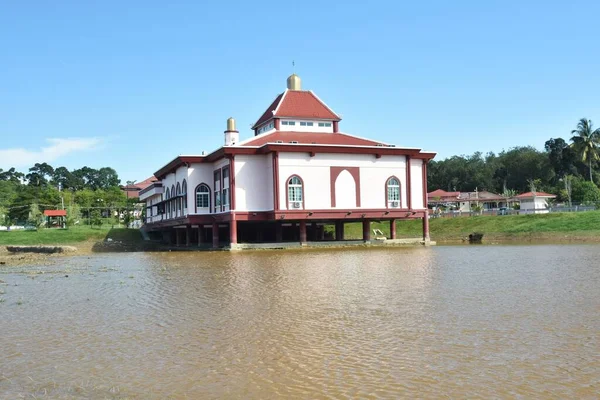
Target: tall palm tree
586,142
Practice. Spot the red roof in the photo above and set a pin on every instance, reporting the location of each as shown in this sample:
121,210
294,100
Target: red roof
55,213
297,104
443,193
537,194
310,138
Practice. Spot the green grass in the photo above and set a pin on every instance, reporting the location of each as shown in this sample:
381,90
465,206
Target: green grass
67,236
508,226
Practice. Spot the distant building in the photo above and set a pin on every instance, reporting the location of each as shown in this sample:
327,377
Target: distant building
296,174
466,201
132,191
534,202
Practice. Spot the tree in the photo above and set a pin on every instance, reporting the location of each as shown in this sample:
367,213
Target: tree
39,174
562,157
586,142
585,191
35,216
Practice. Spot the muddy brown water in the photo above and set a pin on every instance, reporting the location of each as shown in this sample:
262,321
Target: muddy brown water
456,321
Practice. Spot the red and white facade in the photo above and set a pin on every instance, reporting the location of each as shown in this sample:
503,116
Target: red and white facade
297,173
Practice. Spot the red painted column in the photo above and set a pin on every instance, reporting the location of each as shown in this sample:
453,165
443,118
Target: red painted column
393,229
426,213
275,181
200,234
277,123
233,230
232,183
302,231
408,185
215,235
366,230
336,126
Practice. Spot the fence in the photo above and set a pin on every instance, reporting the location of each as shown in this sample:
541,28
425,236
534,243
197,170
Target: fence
505,211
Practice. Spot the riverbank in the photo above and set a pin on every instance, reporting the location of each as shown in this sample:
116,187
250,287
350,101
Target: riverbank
567,227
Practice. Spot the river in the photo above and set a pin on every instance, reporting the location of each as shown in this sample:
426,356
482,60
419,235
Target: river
455,321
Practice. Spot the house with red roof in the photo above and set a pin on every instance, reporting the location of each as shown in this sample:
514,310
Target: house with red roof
534,202
295,174
132,190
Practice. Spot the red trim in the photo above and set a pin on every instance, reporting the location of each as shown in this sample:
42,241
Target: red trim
335,172
287,190
399,192
196,197
424,173
276,181
408,184
291,148
232,183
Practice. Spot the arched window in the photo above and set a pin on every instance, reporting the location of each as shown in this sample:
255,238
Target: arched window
393,192
295,192
202,198
184,192
167,204
172,201
178,199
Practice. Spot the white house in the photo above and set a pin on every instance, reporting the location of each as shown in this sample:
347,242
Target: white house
534,202
297,173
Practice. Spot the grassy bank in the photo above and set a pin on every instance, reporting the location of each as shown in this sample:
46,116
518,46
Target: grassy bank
543,226
72,235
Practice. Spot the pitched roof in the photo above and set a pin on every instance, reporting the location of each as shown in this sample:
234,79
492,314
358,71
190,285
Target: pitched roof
55,213
481,195
537,194
442,193
297,104
140,185
309,138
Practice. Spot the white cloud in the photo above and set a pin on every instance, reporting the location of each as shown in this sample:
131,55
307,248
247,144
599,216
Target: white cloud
56,149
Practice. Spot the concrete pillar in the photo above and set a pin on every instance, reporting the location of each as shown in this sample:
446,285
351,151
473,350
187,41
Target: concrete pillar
366,230
278,232
426,237
393,229
314,231
302,231
200,234
188,235
233,232
215,235
339,230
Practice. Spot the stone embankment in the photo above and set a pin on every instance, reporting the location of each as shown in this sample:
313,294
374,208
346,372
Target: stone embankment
41,249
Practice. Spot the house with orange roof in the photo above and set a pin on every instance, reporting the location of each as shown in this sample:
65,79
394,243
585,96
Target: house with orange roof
295,174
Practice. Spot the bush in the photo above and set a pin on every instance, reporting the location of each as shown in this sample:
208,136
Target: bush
585,192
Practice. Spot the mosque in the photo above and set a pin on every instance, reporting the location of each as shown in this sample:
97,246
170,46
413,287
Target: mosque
298,173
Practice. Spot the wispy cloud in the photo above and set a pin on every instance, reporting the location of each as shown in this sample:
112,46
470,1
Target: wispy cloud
56,149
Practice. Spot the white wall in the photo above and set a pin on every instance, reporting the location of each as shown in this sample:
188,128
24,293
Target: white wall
416,181
315,172
541,206
197,174
254,182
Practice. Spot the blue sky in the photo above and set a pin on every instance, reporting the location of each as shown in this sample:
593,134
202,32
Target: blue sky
133,84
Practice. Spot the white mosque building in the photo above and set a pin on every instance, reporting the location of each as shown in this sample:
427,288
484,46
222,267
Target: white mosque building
296,174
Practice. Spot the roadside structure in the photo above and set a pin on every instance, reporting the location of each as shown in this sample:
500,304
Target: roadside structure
296,174
132,190
56,218
534,202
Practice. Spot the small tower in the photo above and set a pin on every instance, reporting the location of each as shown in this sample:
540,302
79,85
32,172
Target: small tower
294,82
232,136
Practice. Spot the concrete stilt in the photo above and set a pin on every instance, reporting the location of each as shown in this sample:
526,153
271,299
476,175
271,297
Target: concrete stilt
302,231
366,230
215,235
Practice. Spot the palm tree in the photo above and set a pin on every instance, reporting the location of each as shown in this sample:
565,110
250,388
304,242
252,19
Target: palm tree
586,142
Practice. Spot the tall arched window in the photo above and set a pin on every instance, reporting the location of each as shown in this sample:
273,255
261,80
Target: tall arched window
202,198
295,192
393,192
178,199
173,201
184,192
167,204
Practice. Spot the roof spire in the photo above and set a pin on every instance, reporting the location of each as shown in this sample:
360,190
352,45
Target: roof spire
294,82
